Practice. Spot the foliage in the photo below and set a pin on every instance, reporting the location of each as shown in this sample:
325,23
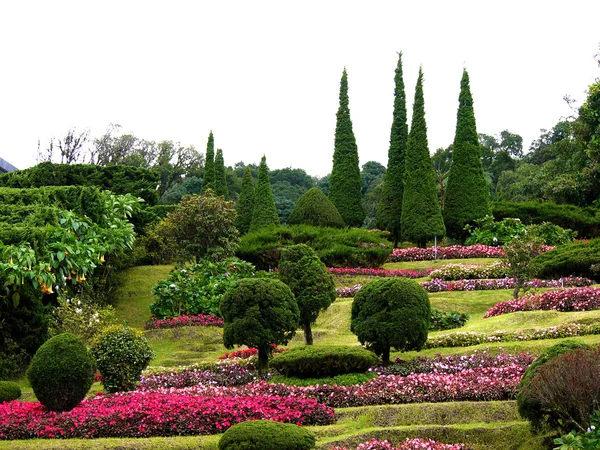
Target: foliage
189,186
259,313
313,287
82,319
121,355
344,182
451,272
348,379
391,312
13,358
389,210
519,252
220,178
467,194
408,444
61,372
314,208
200,320
197,289
441,320
266,435
265,212
586,440
450,252
576,258
351,271
249,352
245,204
9,391
323,361
209,165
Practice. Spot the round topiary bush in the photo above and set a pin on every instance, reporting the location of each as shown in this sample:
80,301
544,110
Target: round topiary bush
266,435
391,312
317,361
314,208
121,355
61,372
9,391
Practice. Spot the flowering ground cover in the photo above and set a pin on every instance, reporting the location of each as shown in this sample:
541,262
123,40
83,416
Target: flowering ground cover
452,272
408,444
579,299
248,352
200,320
450,252
146,414
379,272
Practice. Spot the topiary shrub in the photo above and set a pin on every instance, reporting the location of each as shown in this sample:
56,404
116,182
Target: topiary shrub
528,405
314,361
314,208
576,259
392,312
9,391
121,354
266,435
61,372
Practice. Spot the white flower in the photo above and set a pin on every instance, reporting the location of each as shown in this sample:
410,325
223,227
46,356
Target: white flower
78,310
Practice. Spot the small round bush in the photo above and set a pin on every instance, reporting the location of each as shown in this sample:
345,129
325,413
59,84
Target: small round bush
121,355
9,391
316,361
61,372
266,435
391,312
314,208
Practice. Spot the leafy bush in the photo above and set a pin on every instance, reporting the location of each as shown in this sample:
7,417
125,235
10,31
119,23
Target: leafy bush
576,258
314,208
61,372
82,319
314,361
348,379
197,289
586,440
9,391
266,435
441,320
121,355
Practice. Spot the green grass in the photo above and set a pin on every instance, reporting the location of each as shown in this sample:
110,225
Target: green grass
416,265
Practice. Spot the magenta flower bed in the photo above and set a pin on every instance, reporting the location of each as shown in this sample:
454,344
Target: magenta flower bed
379,272
408,444
146,414
201,320
579,299
248,352
450,252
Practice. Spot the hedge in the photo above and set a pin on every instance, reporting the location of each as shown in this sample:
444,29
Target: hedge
575,258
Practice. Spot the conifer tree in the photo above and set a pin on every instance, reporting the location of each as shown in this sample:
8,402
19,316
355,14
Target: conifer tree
245,204
389,209
265,211
421,215
209,165
467,194
220,177
345,184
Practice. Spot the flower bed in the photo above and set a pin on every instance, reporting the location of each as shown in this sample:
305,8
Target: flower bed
248,352
200,320
580,299
379,272
450,252
408,444
147,414
452,272
466,339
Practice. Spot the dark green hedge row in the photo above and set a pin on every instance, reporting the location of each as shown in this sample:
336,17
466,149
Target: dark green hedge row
586,221
16,235
117,179
347,247
32,216
570,259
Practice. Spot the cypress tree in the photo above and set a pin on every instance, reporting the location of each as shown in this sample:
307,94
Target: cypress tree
220,177
389,209
245,204
209,165
265,212
467,193
344,184
421,215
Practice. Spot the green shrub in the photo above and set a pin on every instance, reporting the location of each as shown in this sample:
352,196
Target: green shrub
314,208
61,372
9,391
528,405
576,258
121,355
348,379
315,361
83,319
266,435
441,320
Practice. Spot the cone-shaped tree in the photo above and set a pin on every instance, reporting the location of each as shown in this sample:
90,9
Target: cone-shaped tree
421,215
208,181
220,177
265,211
467,194
344,184
389,209
314,208
245,204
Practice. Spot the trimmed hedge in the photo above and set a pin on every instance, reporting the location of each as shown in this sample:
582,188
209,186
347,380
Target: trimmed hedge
314,208
570,259
30,215
266,435
317,361
9,391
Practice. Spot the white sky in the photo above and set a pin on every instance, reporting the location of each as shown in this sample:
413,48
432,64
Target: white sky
264,75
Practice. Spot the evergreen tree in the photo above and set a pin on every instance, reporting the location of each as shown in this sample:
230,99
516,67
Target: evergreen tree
467,194
265,212
389,209
245,204
421,215
209,165
220,177
345,184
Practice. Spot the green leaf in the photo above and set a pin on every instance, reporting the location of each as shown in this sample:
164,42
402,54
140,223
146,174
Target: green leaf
15,298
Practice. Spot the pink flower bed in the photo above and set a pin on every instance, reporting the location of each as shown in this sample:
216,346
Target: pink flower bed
201,320
146,414
564,300
450,252
248,352
379,272
408,444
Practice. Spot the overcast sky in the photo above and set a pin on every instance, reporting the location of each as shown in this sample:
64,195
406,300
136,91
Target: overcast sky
264,75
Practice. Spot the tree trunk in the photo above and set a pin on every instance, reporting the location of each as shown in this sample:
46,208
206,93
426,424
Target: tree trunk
263,360
385,355
308,337
516,291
